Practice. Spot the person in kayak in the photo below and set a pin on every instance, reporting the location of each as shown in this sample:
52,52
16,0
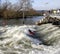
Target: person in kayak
31,32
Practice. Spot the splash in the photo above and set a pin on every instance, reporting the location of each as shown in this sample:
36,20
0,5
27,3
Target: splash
14,39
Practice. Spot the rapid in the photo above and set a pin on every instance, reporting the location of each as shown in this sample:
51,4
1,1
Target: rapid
14,39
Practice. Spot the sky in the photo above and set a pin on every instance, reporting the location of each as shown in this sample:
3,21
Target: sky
44,4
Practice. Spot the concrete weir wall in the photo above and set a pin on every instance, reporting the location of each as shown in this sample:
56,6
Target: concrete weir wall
54,21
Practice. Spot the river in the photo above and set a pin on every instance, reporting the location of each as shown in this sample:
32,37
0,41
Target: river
14,38
27,21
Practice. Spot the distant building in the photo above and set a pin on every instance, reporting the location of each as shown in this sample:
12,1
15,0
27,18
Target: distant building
57,11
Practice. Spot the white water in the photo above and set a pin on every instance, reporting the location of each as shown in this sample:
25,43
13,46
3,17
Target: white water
13,40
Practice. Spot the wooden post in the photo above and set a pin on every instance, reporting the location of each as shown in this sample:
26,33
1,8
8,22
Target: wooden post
23,17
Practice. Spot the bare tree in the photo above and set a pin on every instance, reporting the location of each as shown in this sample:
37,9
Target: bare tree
25,6
4,11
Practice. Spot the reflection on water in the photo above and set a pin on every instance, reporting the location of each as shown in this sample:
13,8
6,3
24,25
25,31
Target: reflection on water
20,21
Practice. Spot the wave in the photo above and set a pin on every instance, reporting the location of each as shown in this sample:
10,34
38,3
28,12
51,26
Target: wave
14,39
49,34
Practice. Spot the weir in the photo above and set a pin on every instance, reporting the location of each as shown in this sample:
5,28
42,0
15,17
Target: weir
49,19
